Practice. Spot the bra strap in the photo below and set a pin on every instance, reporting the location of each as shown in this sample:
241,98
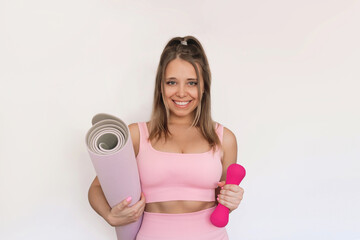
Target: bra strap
220,131
144,135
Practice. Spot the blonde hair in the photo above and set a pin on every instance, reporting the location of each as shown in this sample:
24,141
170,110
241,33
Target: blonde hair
193,53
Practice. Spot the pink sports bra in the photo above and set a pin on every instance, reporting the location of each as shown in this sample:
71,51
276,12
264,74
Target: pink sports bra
166,176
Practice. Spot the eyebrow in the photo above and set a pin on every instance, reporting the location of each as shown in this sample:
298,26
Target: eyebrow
170,78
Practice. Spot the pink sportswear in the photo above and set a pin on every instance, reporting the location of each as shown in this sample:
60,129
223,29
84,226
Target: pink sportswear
166,176
180,226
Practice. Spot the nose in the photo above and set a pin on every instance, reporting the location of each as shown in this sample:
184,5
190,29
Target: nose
181,91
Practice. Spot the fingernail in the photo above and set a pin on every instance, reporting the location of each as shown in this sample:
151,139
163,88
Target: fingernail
218,199
128,199
222,187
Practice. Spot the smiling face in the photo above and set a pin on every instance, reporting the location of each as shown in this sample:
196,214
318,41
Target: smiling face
180,88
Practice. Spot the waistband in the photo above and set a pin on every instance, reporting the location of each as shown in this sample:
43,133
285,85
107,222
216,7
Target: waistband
179,226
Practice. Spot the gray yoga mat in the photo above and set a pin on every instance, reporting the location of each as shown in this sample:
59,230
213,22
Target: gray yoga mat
111,151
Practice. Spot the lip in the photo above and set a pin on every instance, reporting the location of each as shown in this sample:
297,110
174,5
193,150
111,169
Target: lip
182,106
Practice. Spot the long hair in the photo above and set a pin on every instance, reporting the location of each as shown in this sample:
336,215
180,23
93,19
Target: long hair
193,53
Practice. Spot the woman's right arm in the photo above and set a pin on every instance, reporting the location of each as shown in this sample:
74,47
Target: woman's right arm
97,199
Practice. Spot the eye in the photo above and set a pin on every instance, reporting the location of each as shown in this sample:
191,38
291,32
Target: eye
193,83
170,83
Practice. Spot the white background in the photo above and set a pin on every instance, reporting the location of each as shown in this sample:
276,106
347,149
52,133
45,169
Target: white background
285,81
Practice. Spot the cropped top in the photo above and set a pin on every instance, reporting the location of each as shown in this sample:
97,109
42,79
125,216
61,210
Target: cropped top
167,176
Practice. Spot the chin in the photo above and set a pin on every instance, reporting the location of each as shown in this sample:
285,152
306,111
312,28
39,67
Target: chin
182,113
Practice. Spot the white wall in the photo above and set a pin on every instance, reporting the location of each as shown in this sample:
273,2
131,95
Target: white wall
285,81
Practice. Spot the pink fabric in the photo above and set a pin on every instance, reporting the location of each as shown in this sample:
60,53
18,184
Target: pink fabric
189,226
166,176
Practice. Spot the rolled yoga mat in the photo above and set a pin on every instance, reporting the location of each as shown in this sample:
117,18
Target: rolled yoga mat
111,151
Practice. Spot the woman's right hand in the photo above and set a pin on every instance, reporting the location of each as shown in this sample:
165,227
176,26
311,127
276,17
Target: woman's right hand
121,214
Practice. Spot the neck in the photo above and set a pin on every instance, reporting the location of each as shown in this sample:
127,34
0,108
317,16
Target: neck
186,120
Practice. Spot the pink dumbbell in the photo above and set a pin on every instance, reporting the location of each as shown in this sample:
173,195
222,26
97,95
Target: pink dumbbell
234,175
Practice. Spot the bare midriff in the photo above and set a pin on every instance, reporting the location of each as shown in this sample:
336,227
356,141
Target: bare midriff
178,206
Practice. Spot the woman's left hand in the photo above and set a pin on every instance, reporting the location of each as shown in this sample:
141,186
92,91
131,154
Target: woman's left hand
230,195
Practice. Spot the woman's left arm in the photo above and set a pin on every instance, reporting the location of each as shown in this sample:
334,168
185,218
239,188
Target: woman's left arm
230,195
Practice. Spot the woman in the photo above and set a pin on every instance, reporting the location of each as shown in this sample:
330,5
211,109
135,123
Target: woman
181,153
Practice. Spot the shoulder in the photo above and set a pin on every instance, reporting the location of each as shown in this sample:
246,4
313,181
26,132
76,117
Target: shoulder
134,130
229,145
133,127
229,138
135,136
229,148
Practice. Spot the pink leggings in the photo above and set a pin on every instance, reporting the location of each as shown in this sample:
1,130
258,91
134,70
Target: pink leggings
180,226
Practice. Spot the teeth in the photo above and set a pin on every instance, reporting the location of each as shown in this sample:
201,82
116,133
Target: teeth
181,103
